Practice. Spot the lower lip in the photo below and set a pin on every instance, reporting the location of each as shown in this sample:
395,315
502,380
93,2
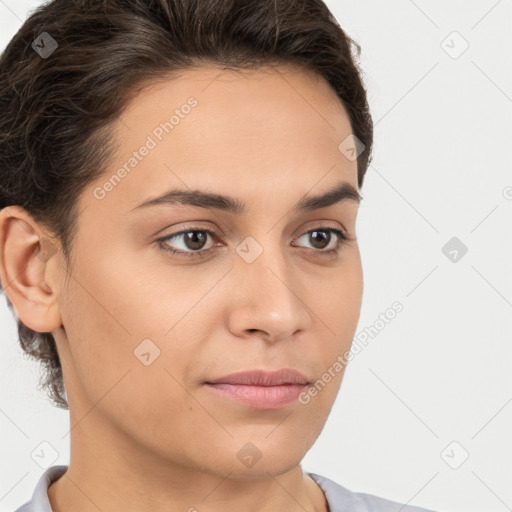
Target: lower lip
260,397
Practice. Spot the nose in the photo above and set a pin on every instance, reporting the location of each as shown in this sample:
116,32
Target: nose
269,299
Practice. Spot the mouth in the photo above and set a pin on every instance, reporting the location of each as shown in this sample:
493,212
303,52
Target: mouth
260,389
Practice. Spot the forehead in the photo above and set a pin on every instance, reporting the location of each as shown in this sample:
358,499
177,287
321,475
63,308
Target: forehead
268,85
247,132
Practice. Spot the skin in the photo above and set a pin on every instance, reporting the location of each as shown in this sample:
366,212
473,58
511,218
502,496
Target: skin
153,436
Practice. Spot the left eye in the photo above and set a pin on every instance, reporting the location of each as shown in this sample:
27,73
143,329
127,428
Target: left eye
323,236
194,240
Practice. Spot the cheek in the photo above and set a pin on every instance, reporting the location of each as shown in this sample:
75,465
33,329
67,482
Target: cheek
131,327
337,307
107,312
338,302
139,393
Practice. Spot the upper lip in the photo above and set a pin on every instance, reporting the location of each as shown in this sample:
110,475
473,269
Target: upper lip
263,378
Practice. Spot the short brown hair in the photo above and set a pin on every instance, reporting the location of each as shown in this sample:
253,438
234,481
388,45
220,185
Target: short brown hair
57,108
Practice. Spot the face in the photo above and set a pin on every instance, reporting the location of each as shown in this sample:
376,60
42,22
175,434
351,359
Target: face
255,282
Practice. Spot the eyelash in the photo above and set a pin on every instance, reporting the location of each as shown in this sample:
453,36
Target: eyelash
342,237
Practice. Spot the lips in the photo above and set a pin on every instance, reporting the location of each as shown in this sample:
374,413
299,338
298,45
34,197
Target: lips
263,378
260,389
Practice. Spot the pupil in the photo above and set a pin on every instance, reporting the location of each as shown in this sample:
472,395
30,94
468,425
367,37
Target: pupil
195,239
322,236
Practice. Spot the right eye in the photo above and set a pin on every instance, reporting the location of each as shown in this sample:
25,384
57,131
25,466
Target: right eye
193,240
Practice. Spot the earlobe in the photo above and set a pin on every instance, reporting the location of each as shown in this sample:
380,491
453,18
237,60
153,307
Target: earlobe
28,269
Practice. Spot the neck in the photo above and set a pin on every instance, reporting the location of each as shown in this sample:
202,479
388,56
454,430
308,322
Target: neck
141,490
109,472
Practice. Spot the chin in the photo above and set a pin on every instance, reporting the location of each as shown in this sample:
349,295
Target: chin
250,464
262,470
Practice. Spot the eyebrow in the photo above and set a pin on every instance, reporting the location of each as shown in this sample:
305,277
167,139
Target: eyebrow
342,192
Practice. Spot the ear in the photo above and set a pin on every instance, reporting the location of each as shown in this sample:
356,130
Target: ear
29,268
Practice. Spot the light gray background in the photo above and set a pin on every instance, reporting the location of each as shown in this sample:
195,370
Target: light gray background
440,372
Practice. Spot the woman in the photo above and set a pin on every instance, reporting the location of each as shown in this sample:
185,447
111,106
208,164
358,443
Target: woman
180,188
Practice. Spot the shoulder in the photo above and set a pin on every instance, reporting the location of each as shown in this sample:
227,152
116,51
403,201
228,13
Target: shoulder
340,498
39,501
